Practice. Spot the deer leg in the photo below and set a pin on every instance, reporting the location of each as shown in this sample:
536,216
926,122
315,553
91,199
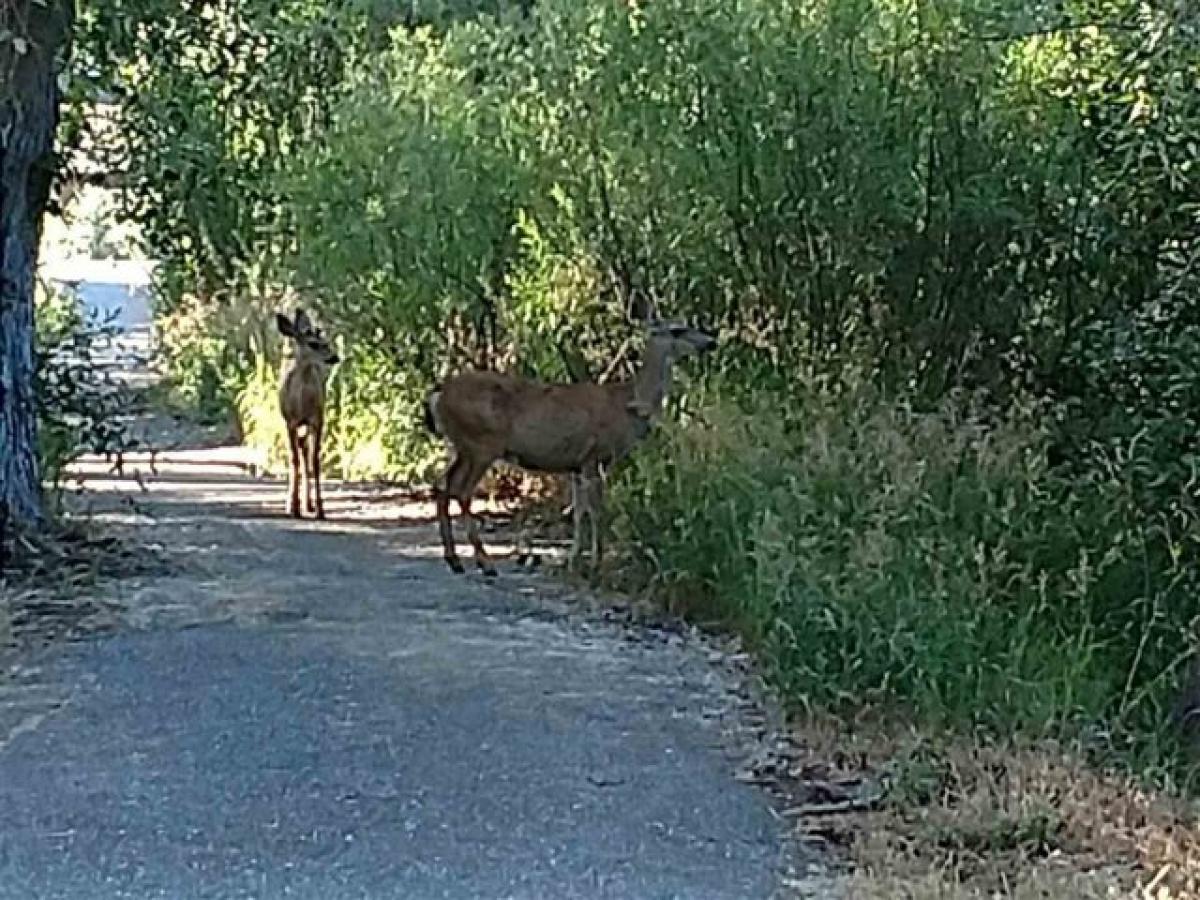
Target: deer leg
588,487
306,468
442,495
293,501
526,552
316,504
579,501
304,443
465,494
596,514
481,555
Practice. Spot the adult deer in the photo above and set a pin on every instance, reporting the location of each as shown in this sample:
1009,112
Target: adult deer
302,402
576,429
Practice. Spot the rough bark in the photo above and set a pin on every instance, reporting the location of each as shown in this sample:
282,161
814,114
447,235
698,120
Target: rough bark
29,103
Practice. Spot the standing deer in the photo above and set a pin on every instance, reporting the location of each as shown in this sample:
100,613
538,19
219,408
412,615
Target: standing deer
302,402
576,429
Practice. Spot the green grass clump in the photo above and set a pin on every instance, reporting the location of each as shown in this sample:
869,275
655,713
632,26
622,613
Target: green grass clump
928,561
373,426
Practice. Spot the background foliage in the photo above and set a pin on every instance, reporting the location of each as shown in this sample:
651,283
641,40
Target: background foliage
947,458
82,407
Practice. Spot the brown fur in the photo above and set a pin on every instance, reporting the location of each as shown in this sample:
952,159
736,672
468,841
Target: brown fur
302,403
576,429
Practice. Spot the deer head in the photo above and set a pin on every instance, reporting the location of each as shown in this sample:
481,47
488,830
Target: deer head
678,339
668,342
308,344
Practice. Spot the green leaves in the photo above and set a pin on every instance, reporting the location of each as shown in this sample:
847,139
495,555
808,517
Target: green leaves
81,407
205,107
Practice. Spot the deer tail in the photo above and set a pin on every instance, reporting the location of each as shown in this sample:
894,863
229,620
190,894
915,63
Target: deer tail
431,413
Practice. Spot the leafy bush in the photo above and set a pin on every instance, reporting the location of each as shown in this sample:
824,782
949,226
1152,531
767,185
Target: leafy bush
879,555
838,183
373,419
82,407
205,363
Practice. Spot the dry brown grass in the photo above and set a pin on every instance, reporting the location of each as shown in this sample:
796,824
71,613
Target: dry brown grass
967,820
47,580
1044,883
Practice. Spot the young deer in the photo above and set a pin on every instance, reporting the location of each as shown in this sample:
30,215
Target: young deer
302,402
576,429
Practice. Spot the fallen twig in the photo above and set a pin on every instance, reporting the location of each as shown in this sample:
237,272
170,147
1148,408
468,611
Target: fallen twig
864,803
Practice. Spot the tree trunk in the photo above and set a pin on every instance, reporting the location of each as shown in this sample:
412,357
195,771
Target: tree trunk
29,97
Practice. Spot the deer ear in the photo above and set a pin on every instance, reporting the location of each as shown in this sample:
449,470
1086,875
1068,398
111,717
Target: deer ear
302,323
285,326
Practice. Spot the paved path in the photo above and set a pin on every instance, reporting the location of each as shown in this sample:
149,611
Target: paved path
324,711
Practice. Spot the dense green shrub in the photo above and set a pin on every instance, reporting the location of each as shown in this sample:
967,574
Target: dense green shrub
195,111
928,561
948,198
82,406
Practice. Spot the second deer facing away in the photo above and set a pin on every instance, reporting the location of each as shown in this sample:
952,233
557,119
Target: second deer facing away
302,402
576,429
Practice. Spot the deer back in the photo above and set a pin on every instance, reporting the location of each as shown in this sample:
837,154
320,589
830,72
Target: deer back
549,428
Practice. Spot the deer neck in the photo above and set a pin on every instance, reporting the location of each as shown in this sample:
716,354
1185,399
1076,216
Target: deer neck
652,382
302,365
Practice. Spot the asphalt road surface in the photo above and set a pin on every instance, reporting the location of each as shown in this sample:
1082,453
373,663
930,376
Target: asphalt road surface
324,711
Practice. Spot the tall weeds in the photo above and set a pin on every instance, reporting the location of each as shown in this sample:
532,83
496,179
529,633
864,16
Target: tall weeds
923,561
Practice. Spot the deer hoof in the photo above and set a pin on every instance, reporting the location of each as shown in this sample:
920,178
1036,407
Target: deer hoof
455,565
489,571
